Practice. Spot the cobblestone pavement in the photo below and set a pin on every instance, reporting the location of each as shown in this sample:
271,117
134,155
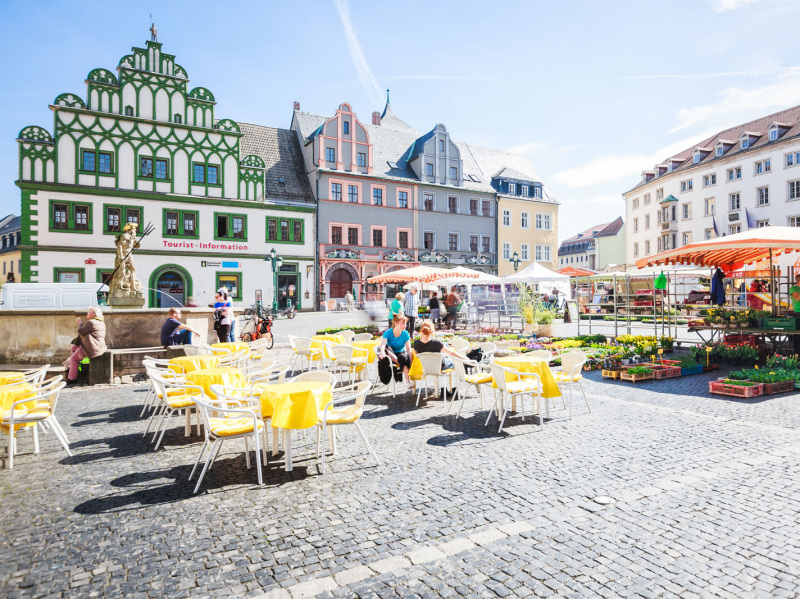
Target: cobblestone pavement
707,494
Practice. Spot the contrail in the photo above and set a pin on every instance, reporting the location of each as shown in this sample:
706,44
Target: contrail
365,76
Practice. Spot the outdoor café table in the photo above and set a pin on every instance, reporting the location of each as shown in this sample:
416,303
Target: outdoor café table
11,393
533,365
371,346
7,377
205,377
234,346
317,343
294,406
190,363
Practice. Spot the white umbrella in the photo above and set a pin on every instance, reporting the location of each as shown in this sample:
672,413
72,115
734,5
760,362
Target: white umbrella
535,273
469,277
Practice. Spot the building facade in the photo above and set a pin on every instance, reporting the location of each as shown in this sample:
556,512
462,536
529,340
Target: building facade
144,148
740,178
595,248
10,256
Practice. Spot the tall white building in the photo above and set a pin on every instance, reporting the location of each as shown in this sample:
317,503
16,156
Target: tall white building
740,178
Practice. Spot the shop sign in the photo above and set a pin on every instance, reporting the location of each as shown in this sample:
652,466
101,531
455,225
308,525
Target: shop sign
90,261
223,264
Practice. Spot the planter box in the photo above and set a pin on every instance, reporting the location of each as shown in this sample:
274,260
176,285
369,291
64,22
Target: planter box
627,376
611,374
782,387
669,372
780,323
693,370
721,388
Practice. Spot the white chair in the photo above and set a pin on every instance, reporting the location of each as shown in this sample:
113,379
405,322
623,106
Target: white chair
335,414
542,354
161,367
304,352
528,383
487,351
266,376
247,398
38,408
349,359
315,376
432,369
234,360
570,375
223,423
477,379
171,402
457,344
347,335
362,337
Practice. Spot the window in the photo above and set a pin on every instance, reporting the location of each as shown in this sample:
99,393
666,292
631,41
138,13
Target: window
635,250
284,230
146,167
104,160
647,248
773,134
486,208
720,150
512,189
686,185
101,162
506,218
792,159
735,201
60,212
762,223
762,166
213,175
543,252
330,154
352,194
190,224
635,225
524,220
646,221
794,190
377,238
162,169
68,275
744,143
473,206
428,201
687,238
697,157
524,252
441,145
763,196
794,221
377,196
129,111
233,282
452,242
345,127
361,159
336,235
402,199
203,174
537,192
452,205
133,215
734,229
402,239
473,243
230,226
543,222
709,180
87,160
708,208
486,243
352,236
297,230
178,119
525,190
336,192
113,219
428,240
81,218
272,229
734,173
428,169
635,203
453,173
506,250
659,196
708,234
199,173
116,217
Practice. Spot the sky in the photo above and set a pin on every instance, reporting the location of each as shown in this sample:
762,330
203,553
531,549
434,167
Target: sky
592,92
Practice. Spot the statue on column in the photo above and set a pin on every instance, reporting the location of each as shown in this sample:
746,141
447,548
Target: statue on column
125,290
153,33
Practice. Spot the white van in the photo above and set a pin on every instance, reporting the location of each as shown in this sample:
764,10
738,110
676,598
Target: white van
46,296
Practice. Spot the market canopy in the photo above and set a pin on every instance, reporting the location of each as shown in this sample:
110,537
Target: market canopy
423,274
572,271
535,273
732,252
469,276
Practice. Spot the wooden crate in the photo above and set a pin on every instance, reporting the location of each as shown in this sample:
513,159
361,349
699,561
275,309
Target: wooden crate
668,372
721,388
627,376
611,374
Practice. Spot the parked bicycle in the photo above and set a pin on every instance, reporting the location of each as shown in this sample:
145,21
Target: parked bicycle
257,324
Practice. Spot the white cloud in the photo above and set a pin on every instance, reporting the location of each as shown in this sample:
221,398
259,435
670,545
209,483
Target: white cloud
726,5
365,76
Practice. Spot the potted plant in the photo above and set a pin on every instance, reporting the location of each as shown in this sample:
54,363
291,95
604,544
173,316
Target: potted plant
544,318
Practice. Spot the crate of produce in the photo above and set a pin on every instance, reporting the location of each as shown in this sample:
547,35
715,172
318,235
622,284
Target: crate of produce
643,302
650,291
611,373
633,377
692,370
780,323
723,387
735,339
782,387
667,372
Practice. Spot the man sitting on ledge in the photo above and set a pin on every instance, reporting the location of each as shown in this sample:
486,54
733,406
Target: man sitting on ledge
174,332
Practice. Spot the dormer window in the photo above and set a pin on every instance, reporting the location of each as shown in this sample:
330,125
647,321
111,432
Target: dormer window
512,189
773,134
744,143
697,157
720,150
428,169
345,127
525,190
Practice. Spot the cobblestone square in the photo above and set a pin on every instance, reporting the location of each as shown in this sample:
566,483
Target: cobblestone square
706,500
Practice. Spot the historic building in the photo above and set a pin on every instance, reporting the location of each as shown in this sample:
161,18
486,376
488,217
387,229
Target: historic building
743,177
10,256
390,198
144,147
595,248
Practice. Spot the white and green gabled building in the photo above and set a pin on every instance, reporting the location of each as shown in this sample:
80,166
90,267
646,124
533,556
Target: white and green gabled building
143,147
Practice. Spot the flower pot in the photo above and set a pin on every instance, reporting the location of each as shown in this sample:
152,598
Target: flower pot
531,328
545,330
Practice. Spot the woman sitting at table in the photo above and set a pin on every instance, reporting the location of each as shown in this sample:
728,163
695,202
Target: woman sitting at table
396,345
426,344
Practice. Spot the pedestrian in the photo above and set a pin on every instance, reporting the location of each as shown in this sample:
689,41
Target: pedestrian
192,304
90,342
223,308
174,332
411,308
396,307
231,314
433,304
452,307
10,278
349,300
396,345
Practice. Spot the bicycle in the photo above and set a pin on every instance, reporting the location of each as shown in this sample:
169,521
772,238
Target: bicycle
258,324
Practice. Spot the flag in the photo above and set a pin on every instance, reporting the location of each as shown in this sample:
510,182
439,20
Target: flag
751,220
716,231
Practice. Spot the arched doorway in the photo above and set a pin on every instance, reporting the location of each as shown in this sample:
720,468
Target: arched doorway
170,286
341,283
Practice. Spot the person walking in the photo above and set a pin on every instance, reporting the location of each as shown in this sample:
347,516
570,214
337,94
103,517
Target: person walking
452,307
231,314
349,300
396,307
433,304
411,308
223,308
90,342
174,332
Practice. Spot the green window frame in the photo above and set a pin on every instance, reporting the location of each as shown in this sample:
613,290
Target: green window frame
225,277
70,217
154,168
57,271
234,226
99,162
285,230
206,174
102,274
183,219
124,214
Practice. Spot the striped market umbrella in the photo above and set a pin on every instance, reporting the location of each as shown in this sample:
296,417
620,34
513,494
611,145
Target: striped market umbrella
422,274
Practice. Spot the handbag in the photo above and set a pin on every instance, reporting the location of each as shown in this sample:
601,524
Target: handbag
217,317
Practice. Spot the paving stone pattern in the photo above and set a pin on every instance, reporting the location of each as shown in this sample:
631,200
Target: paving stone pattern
707,495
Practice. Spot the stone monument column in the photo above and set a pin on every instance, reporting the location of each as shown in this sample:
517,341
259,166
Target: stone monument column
125,290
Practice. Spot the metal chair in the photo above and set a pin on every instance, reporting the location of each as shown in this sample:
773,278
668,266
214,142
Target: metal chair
334,415
432,369
571,366
528,383
477,379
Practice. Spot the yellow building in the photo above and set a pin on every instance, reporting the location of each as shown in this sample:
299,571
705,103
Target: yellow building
527,223
10,255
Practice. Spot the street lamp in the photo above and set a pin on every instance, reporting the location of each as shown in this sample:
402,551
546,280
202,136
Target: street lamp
515,261
276,261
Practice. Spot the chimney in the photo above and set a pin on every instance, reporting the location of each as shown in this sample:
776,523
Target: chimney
376,118
297,106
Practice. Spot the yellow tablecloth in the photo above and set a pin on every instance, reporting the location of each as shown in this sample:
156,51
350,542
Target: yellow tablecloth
190,363
317,342
234,346
205,377
371,346
415,372
531,364
8,377
9,395
295,405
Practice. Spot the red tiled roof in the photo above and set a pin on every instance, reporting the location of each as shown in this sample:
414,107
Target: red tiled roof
602,230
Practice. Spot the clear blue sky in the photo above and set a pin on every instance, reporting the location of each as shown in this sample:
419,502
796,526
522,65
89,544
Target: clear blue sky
593,92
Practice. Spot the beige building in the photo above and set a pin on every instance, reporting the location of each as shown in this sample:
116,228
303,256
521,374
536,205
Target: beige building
595,248
10,255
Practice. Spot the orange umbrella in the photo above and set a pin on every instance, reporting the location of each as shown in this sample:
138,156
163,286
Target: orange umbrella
423,274
732,252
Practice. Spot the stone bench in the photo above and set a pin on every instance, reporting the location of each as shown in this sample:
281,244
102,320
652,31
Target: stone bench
117,366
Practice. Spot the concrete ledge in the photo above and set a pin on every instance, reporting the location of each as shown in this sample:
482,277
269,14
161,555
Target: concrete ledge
121,365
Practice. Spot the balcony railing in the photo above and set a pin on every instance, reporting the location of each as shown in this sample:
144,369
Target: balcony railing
335,251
